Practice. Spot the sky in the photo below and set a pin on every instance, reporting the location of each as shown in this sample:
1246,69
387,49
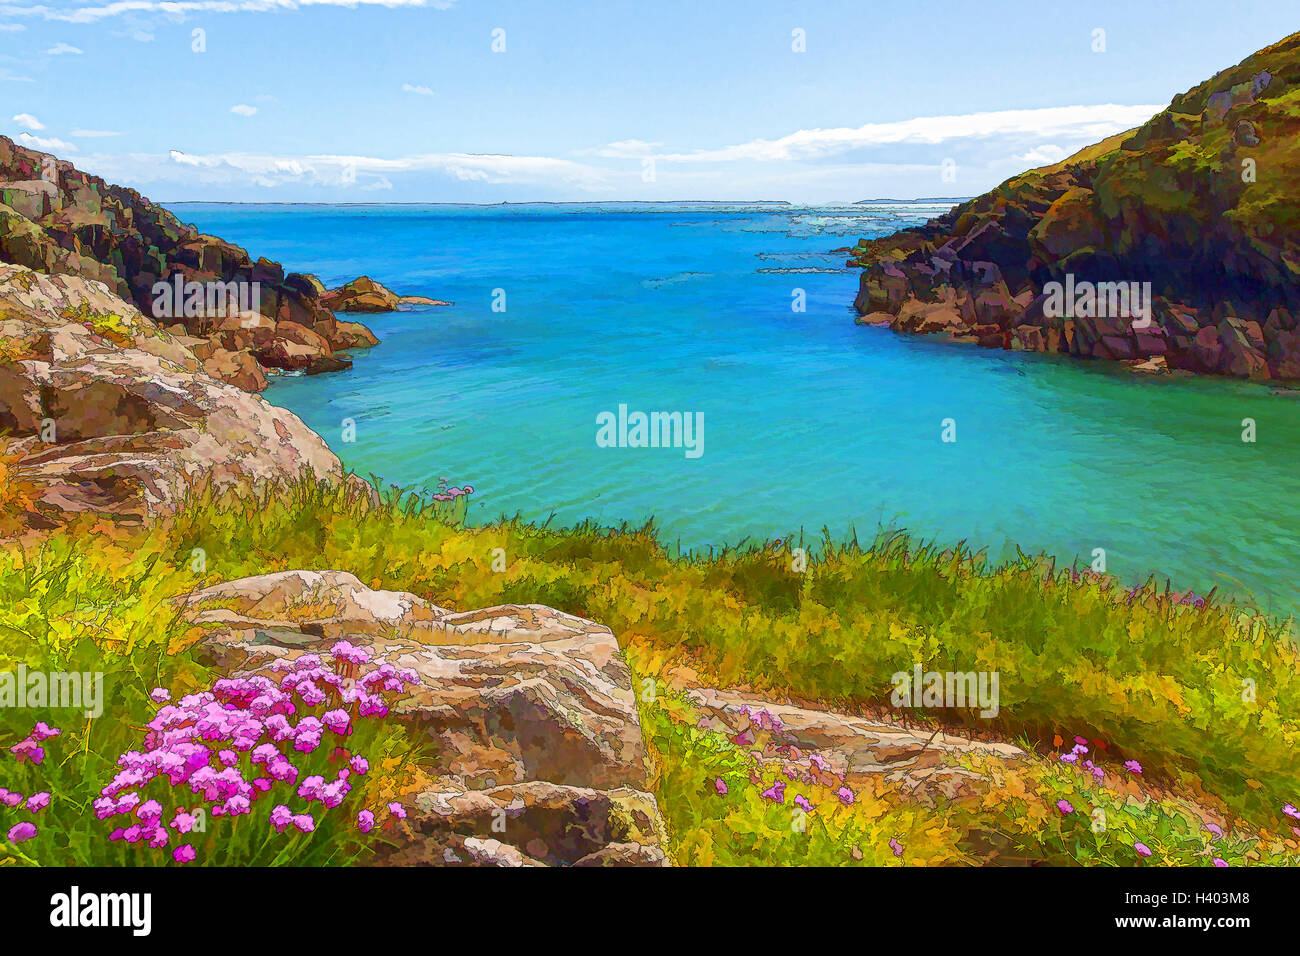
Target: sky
596,100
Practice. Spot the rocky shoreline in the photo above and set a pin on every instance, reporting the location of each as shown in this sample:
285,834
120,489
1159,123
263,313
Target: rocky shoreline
241,318
1185,233
132,348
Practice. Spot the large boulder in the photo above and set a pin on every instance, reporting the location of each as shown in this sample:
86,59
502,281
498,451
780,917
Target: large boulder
111,413
539,753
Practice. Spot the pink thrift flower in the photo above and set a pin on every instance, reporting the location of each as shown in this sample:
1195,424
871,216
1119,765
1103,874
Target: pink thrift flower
38,801
149,812
776,792
1064,806
183,822
1069,758
1132,766
22,831
896,847
304,822
845,795
1142,848
281,817
338,721
28,750
345,651
1080,740
183,853
720,786
1291,811
11,798
1216,831
365,821
43,731
802,803
397,810
359,764
160,695
1220,862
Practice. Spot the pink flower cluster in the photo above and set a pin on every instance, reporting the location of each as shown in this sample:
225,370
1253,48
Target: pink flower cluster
248,739
29,748
1079,753
452,493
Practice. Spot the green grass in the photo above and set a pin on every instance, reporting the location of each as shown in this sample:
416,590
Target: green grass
1011,820
1207,699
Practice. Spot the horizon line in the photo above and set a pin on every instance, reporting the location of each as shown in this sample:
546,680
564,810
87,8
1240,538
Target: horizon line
562,202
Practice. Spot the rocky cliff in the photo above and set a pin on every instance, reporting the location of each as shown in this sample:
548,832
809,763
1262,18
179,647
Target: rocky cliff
108,413
250,315
1175,245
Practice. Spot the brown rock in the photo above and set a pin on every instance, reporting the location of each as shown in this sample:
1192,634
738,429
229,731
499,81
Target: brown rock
360,295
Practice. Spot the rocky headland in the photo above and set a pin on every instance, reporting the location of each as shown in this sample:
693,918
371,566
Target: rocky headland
1174,246
240,317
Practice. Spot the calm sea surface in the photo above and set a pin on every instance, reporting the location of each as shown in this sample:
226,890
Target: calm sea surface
809,420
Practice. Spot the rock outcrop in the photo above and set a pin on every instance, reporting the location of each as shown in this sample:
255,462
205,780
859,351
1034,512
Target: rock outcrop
367,295
61,221
1202,202
538,747
927,764
108,413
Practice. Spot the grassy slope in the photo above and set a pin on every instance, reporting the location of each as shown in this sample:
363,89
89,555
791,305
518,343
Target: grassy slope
1155,681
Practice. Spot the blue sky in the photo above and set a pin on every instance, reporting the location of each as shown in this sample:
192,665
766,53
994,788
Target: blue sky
407,101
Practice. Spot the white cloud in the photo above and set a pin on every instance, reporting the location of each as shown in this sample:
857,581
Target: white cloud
422,90
624,149
11,27
1044,155
28,121
347,171
1085,122
93,133
178,9
6,75
243,109
60,49
38,142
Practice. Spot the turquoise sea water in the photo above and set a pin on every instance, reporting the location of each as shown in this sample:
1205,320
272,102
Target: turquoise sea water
809,420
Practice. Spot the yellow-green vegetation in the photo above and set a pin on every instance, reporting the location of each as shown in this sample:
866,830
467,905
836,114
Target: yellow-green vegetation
1038,810
115,328
1205,697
